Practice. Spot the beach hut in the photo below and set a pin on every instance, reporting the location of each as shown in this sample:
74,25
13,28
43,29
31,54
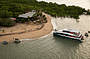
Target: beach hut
26,15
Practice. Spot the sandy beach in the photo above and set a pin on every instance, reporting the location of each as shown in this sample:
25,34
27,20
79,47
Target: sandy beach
47,28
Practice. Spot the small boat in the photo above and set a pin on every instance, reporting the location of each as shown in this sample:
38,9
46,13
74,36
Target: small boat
17,40
69,33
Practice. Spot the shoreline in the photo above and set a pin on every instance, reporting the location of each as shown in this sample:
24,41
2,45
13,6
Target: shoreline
33,34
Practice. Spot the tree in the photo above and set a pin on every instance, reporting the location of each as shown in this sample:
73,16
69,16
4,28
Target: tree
5,13
7,22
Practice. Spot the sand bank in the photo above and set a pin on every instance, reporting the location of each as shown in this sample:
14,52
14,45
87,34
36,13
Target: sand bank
46,29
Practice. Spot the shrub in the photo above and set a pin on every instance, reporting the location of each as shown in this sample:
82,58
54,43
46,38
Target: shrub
5,14
22,20
7,22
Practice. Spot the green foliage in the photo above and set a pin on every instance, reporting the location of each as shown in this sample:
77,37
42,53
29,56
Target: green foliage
88,12
12,8
22,20
7,22
5,13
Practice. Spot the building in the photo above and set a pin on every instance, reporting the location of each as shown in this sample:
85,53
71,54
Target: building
26,15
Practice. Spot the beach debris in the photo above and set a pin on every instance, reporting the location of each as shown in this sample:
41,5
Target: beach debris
88,31
86,34
55,29
4,42
17,40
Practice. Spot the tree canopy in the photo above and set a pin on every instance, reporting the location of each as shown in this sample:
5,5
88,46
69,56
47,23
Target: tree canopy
12,8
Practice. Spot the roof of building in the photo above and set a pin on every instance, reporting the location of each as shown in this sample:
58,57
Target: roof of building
26,15
13,18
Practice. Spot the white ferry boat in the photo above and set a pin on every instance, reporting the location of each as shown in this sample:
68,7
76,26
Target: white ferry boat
69,33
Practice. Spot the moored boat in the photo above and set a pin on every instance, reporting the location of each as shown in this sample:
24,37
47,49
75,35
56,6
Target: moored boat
69,33
17,40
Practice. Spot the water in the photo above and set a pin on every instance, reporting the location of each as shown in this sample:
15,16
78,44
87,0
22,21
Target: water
46,48
49,47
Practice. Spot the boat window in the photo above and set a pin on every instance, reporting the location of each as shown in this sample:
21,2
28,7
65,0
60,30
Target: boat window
70,35
65,31
60,33
71,32
66,34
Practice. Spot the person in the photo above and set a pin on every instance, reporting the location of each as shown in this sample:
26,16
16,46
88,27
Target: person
86,34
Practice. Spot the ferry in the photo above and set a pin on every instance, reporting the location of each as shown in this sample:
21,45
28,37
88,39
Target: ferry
69,33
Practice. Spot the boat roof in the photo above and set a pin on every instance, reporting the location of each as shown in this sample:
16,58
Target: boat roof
26,15
67,34
67,31
70,30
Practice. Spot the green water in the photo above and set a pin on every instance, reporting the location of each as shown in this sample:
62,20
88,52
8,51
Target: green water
46,48
50,47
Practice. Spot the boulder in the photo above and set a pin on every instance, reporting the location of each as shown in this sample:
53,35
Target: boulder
4,42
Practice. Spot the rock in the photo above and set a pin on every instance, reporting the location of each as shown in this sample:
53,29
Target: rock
88,31
4,42
86,34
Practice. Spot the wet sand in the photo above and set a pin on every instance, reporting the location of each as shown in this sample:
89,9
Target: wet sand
33,34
